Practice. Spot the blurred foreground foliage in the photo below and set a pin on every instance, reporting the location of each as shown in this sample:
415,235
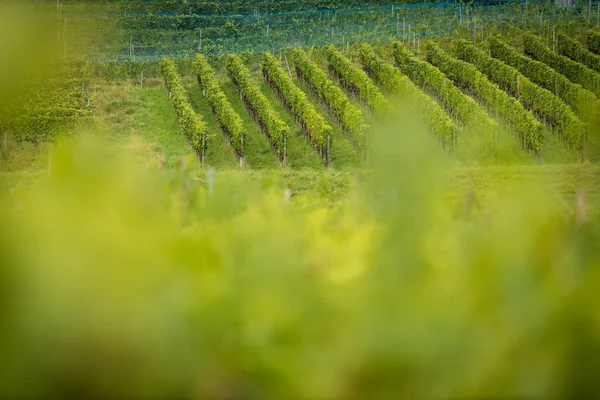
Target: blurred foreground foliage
115,283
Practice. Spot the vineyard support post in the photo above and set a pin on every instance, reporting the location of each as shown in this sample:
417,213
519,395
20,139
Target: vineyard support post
288,66
142,79
284,151
328,149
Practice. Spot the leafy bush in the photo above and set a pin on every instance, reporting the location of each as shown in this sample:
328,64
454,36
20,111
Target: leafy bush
523,123
576,72
190,122
348,115
460,106
392,80
305,114
535,98
356,81
262,110
584,102
229,120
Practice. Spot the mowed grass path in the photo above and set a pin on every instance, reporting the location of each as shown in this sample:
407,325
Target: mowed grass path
219,152
143,119
258,150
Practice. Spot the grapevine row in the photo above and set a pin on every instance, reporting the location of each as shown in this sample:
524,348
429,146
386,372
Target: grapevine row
230,121
52,105
534,97
593,41
356,81
261,109
348,116
190,122
576,52
462,107
581,100
526,127
392,80
573,70
305,114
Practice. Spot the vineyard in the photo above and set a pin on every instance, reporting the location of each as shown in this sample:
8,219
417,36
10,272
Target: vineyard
226,199
330,96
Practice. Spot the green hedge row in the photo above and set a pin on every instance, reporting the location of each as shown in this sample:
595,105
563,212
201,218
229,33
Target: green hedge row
578,73
190,122
460,106
348,116
584,102
523,123
275,129
593,41
305,114
229,120
356,81
391,79
576,52
534,97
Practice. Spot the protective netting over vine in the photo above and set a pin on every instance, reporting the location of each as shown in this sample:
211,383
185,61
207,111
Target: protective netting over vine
147,30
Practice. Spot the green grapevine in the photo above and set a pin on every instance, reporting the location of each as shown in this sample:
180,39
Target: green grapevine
305,114
274,128
535,98
524,124
576,72
348,115
593,41
581,100
576,52
190,122
462,107
392,80
356,81
229,120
